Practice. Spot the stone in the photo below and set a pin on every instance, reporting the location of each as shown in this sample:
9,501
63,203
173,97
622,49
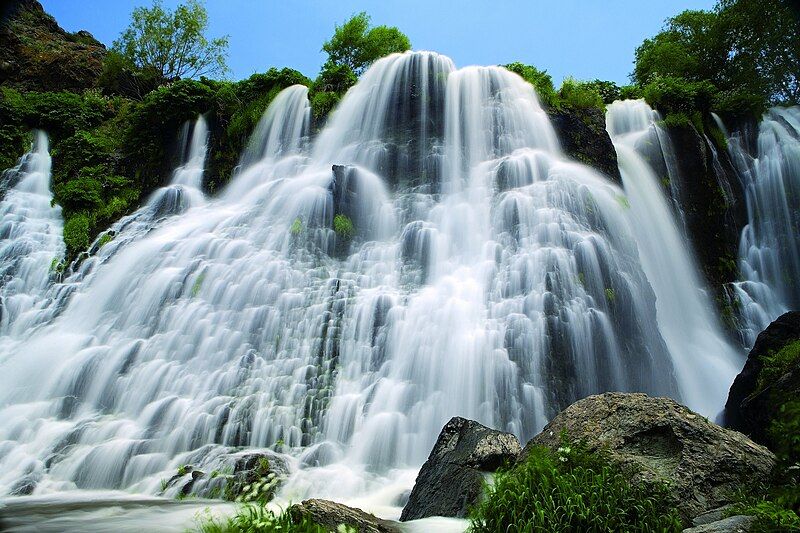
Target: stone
750,410
332,515
452,478
732,524
583,136
659,441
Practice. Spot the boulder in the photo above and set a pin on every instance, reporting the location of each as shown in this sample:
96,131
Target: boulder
658,441
750,409
583,136
451,480
732,524
332,515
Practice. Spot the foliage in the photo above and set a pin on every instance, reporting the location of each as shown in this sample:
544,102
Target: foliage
608,90
258,519
540,79
580,95
777,511
571,490
76,234
775,365
356,45
169,45
745,53
679,95
343,226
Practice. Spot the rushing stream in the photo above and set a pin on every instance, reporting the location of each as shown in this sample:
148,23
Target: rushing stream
430,253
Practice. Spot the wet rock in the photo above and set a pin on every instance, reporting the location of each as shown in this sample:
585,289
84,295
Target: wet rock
711,516
750,409
255,467
657,440
332,515
733,524
583,136
451,480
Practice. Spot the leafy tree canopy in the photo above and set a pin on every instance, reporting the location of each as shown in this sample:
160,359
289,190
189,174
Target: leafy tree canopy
357,45
172,44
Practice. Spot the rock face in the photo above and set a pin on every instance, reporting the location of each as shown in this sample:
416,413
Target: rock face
584,137
451,480
750,410
332,515
712,201
36,54
660,441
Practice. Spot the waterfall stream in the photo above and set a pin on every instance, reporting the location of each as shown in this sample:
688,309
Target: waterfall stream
769,251
430,253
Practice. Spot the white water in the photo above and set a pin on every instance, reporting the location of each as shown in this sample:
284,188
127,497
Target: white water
482,274
30,238
704,361
769,249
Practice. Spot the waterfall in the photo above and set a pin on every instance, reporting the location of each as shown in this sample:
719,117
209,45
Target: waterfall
430,253
704,361
30,237
769,251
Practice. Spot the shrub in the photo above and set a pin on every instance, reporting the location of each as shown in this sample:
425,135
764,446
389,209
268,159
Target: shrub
76,234
580,95
540,79
571,490
679,95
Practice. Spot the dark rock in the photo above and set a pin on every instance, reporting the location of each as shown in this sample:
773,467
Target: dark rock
36,54
583,136
733,524
451,480
252,467
711,199
657,440
332,515
749,410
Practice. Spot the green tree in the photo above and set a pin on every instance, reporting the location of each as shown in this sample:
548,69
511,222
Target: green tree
357,45
169,45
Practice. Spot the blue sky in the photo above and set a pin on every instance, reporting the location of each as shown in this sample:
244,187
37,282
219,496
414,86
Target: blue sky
586,39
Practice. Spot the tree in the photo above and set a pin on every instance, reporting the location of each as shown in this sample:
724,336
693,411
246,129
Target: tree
169,45
355,45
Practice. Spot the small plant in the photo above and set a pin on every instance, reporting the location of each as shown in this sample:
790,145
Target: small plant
610,295
164,484
258,519
105,239
571,490
343,226
198,284
184,469
623,201
297,227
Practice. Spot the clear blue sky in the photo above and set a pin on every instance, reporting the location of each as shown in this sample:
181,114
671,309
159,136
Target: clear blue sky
586,39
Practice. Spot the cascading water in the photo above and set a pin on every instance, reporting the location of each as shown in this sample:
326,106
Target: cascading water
431,253
30,237
769,249
705,363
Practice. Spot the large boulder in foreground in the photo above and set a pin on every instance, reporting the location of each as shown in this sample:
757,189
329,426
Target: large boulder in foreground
657,440
331,515
451,480
755,399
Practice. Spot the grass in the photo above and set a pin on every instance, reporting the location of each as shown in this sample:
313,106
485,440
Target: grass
258,519
778,364
571,490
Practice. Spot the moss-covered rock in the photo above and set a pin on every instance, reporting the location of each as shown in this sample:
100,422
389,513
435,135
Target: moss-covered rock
37,54
764,400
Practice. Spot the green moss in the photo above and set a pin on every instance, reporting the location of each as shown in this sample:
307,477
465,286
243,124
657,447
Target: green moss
775,365
198,284
623,202
343,226
105,239
571,490
296,227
